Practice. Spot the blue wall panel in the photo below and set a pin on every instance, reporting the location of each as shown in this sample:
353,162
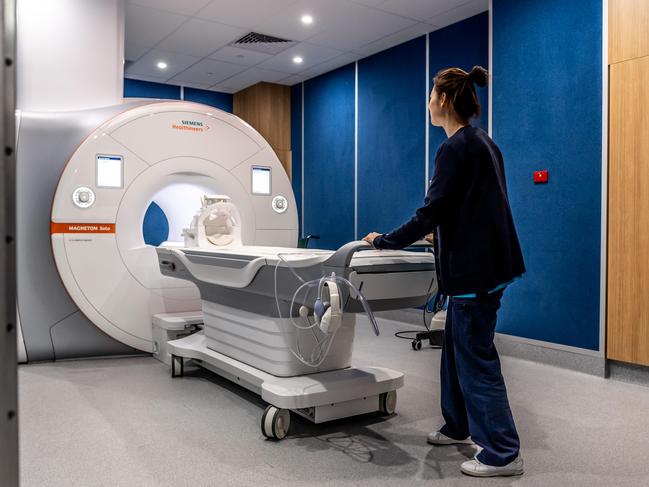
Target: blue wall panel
463,45
296,148
135,88
391,136
547,79
216,99
329,157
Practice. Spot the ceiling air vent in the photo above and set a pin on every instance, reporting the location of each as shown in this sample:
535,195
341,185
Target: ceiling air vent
263,43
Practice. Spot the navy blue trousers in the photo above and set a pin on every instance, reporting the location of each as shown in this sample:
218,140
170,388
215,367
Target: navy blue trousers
474,397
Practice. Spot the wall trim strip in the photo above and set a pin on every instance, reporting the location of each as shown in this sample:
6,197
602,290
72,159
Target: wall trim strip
302,226
410,314
427,115
575,359
553,346
604,224
356,150
491,67
571,358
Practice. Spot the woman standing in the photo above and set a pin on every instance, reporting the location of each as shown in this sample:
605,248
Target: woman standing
478,255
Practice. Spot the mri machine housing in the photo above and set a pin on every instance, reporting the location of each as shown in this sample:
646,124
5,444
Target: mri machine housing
51,324
108,283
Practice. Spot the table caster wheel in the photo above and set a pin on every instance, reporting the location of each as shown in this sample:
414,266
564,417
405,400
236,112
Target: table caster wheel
416,344
177,366
275,423
388,402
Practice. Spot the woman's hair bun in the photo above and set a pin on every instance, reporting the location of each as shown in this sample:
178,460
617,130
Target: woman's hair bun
479,76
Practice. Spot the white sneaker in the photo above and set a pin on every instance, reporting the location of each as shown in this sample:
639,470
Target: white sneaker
476,468
437,438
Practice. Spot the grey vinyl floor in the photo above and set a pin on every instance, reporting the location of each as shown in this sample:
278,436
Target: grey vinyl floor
125,422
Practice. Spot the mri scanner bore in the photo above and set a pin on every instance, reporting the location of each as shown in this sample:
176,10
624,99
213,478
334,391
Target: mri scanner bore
277,319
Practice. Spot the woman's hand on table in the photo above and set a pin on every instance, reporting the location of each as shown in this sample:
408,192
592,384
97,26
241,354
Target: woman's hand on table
369,238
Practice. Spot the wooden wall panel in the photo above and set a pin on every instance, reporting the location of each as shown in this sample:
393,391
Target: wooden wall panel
285,157
628,35
267,107
628,226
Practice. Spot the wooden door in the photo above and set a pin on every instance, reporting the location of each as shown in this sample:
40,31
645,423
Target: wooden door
628,225
628,30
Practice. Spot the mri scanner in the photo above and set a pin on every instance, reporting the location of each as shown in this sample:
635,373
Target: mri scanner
109,182
90,285
277,320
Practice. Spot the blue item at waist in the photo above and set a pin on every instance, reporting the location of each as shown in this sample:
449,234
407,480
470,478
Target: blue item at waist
497,288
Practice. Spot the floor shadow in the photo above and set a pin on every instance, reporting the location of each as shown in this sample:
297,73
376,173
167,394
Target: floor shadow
351,436
443,462
194,371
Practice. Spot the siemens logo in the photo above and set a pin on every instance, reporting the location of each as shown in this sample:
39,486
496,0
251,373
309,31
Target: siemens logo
190,126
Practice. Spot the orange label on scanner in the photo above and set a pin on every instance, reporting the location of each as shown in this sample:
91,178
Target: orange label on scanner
81,228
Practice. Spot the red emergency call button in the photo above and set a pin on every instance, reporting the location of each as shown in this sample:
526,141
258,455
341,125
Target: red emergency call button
540,177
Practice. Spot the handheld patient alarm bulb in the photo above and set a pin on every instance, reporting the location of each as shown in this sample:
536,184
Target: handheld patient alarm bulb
328,314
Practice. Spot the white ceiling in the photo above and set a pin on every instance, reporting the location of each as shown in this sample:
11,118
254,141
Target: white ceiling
192,36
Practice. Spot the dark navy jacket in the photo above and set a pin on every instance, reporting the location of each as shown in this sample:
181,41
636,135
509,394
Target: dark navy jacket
467,206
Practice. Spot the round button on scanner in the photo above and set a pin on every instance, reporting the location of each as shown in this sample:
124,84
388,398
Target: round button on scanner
280,204
83,197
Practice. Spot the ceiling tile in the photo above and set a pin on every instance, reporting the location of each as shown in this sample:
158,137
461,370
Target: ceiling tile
242,13
330,65
395,39
462,12
260,74
133,52
141,77
147,26
236,55
200,37
369,3
293,79
358,25
176,63
184,7
287,23
189,84
223,89
250,77
234,85
310,53
419,9
209,72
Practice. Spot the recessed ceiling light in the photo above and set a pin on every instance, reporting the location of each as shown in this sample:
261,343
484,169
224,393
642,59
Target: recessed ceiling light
161,65
297,60
307,19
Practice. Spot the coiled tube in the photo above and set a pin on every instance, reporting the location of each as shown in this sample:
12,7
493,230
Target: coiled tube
321,350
